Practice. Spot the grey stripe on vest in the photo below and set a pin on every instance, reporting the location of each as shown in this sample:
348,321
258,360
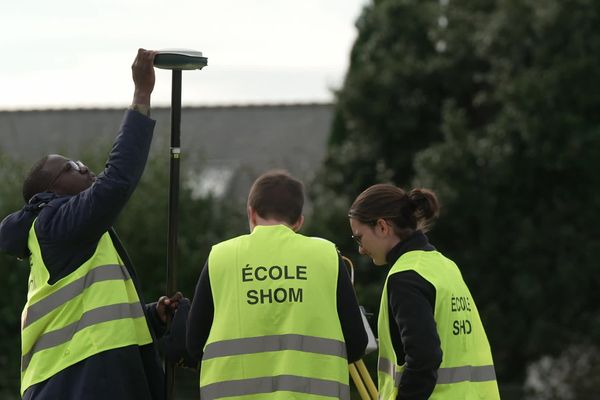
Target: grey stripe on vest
467,373
89,318
74,289
261,344
290,383
388,367
445,375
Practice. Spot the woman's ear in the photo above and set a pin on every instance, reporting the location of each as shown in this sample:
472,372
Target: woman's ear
382,226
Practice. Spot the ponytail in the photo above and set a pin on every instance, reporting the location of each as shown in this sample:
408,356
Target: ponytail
426,207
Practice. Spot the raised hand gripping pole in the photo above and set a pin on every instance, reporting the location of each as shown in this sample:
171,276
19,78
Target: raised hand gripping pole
175,60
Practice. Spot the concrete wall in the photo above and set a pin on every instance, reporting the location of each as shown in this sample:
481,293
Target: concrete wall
233,142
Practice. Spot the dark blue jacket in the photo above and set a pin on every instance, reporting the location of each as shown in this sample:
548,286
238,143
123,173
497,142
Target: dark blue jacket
68,229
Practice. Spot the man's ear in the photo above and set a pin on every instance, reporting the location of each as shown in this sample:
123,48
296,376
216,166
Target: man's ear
251,217
296,227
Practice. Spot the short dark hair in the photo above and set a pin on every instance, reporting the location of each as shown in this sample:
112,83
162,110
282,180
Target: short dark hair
408,211
37,180
276,194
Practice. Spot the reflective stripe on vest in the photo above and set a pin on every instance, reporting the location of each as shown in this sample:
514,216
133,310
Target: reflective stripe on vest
93,309
387,367
262,343
92,317
272,384
310,344
467,373
74,289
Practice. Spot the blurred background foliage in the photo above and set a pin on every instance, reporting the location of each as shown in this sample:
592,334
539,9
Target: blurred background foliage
13,284
492,104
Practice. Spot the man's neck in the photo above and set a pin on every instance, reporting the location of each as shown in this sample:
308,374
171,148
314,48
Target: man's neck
270,222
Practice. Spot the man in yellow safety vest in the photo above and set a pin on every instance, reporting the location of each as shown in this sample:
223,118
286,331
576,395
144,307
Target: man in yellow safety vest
86,333
274,314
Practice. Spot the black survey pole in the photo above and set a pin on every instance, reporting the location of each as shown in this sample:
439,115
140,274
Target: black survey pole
174,181
175,60
173,209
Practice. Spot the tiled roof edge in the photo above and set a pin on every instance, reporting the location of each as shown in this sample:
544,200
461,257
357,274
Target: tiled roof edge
166,107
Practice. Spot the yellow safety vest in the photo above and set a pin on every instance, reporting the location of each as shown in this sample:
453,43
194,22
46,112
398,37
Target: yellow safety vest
276,332
467,369
93,309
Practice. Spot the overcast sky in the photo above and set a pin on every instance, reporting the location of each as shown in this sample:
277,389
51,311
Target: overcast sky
73,53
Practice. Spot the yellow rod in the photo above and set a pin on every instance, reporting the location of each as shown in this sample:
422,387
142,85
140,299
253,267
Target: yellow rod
364,372
360,386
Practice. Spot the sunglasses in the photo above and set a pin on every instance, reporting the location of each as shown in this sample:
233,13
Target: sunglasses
70,165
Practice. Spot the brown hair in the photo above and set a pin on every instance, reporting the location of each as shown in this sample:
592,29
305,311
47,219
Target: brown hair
276,194
407,211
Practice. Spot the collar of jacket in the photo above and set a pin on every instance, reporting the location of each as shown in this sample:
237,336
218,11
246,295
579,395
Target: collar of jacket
417,241
14,229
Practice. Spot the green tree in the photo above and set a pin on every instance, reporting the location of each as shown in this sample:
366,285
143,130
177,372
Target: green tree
410,58
519,192
492,104
13,284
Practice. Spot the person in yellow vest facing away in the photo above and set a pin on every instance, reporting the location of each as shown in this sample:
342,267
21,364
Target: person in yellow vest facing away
274,314
432,344
86,332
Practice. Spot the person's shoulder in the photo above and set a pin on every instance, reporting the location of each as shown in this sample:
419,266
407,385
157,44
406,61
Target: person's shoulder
228,243
319,239
319,242
49,209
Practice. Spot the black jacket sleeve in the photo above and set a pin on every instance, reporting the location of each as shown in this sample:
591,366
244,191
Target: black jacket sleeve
200,316
353,329
158,327
414,333
173,343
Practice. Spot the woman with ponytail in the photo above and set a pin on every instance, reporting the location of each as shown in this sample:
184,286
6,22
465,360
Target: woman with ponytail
432,344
